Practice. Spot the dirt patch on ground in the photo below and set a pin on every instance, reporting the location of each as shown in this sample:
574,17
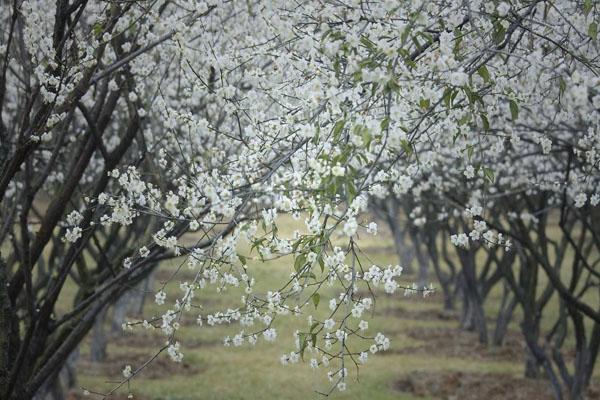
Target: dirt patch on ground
161,367
471,386
454,342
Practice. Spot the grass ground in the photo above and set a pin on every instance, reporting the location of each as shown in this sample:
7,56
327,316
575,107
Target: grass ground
430,356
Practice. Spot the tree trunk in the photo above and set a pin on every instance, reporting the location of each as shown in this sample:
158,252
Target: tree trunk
58,385
51,389
423,271
9,334
404,252
472,298
509,303
480,323
444,278
582,357
532,368
69,371
537,358
421,255
120,310
137,306
99,339
466,318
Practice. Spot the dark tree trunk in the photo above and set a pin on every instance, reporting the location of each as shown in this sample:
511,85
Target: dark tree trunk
422,259
443,277
475,315
450,281
538,359
466,316
389,211
51,389
99,340
507,308
132,302
404,251
120,309
58,385
583,358
137,308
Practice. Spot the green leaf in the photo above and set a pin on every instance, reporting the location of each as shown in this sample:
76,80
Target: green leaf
336,66
296,244
385,123
416,42
472,96
337,128
314,326
303,344
427,37
498,34
587,7
368,44
457,42
484,73
405,144
321,263
485,122
316,298
514,109
448,97
393,85
405,33
300,262
366,135
562,86
489,174
242,259
351,190
97,29
465,119
308,274
593,30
